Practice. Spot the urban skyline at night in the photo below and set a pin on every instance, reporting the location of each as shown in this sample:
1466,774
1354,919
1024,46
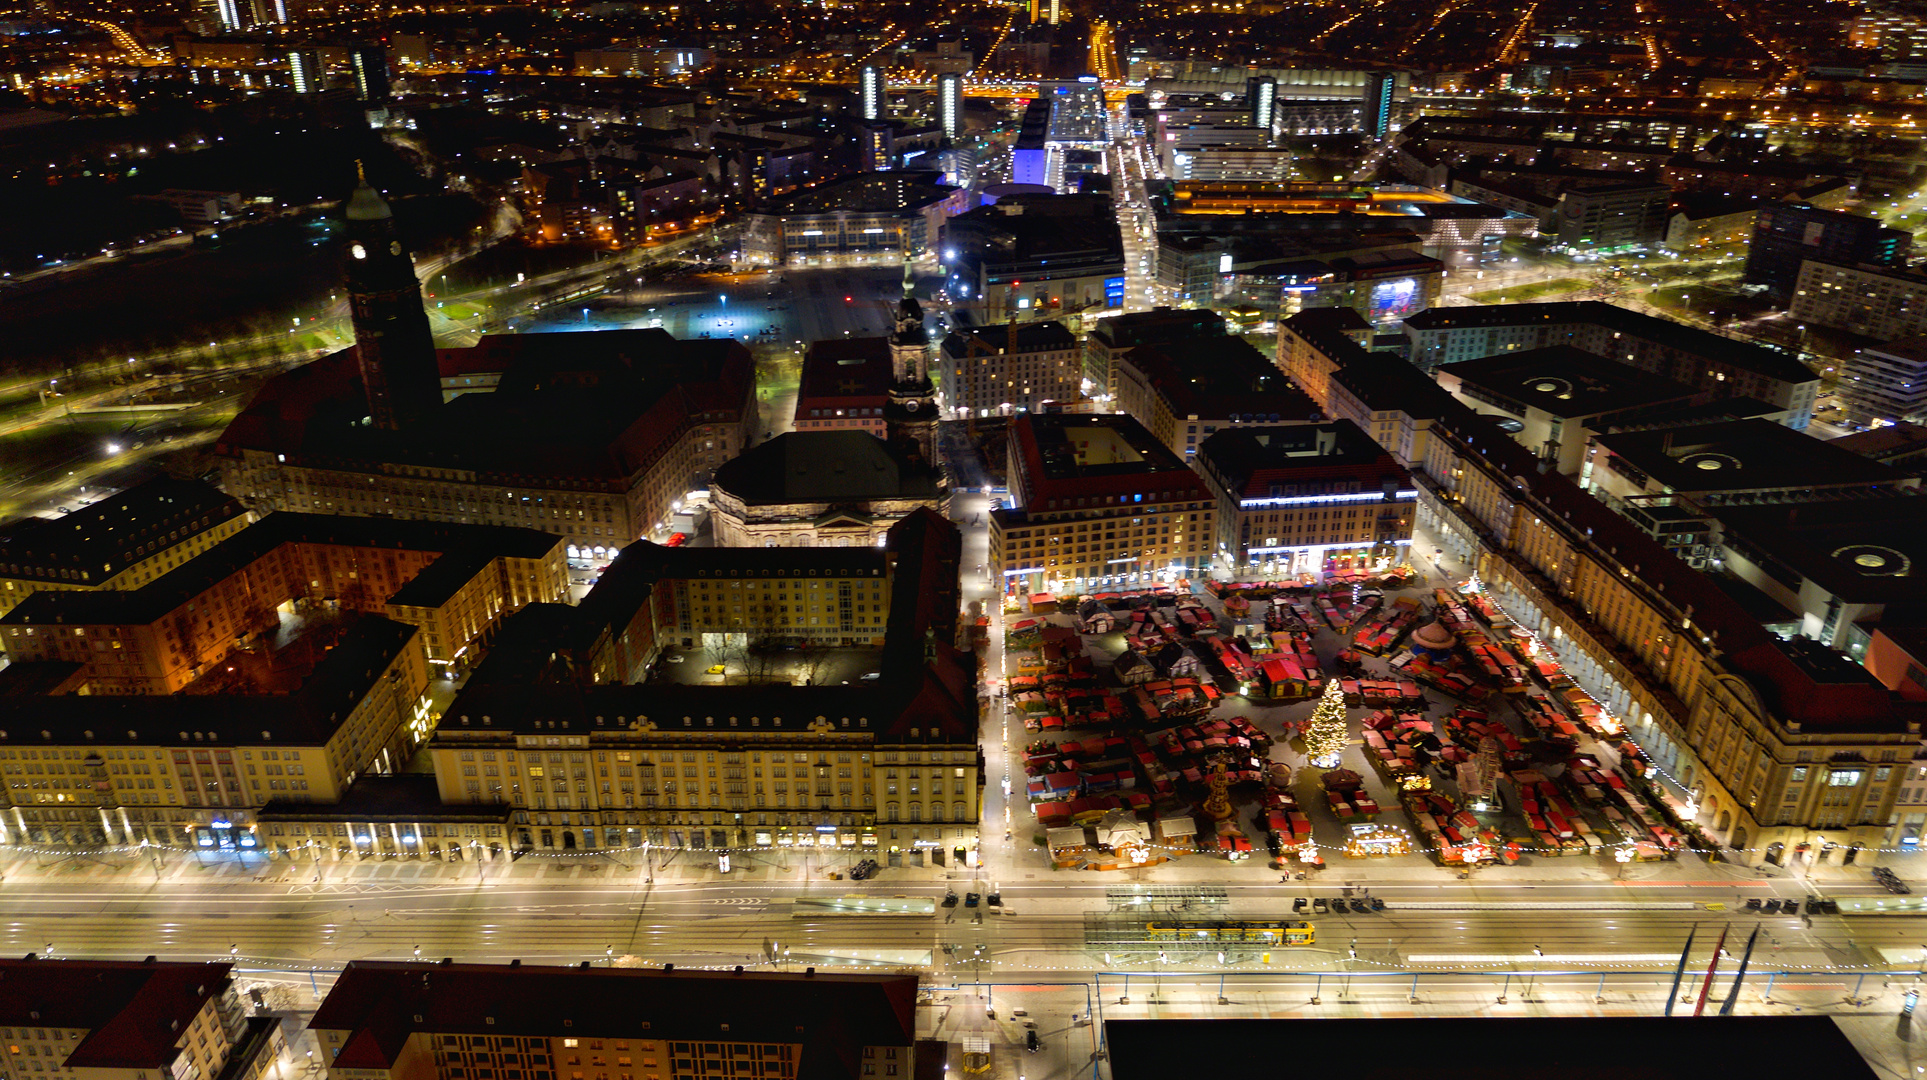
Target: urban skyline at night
802,539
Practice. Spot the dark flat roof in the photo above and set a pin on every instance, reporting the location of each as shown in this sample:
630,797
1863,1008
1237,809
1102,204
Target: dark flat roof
1490,1048
1212,377
1158,324
590,408
1049,435
1567,382
1862,550
1744,455
881,192
1887,441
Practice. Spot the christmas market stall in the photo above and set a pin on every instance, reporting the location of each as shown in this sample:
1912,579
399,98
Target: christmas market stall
1345,794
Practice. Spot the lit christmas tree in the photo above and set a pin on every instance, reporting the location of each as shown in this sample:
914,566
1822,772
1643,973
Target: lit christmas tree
1326,731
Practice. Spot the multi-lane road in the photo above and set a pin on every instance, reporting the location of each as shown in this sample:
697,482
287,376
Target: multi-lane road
296,924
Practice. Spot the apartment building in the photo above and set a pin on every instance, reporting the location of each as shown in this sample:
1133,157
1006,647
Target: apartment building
1111,339
1783,750
194,770
1886,383
1182,391
119,542
995,371
1289,496
1786,234
1303,352
1884,302
278,666
114,1020
596,437
417,1021
1722,366
453,581
1097,501
844,386
558,726
1612,216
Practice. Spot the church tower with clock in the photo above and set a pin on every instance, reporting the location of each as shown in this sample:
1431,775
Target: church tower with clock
910,414
395,349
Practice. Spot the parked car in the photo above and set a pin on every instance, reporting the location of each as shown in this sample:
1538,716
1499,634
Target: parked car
971,899
673,658
949,899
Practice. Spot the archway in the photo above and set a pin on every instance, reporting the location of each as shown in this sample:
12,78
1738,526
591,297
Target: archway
1739,841
1775,852
1853,852
1725,821
568,839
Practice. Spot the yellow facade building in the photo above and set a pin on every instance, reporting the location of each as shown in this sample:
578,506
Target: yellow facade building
1781,751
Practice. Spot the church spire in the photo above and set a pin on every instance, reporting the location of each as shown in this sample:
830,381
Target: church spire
393,344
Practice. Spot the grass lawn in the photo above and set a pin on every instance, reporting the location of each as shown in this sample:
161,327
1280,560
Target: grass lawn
1531,290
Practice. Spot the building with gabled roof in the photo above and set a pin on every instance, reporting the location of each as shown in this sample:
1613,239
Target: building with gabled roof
1184,390
118,1020
415,1021
593,436
844,386
884,763
120,542
1773,748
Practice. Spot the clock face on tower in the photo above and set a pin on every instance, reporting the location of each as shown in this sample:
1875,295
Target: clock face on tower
394,247
911,405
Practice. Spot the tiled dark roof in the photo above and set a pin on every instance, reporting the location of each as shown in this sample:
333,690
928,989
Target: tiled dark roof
521,685
468,546
307,717
585,406
135,1012
96,542
834,1016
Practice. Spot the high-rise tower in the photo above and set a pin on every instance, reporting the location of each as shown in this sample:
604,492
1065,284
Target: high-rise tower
370,63
910,414
396,350
871,90
950,103
1376,116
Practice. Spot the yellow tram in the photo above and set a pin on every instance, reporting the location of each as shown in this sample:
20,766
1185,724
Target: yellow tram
1249,933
